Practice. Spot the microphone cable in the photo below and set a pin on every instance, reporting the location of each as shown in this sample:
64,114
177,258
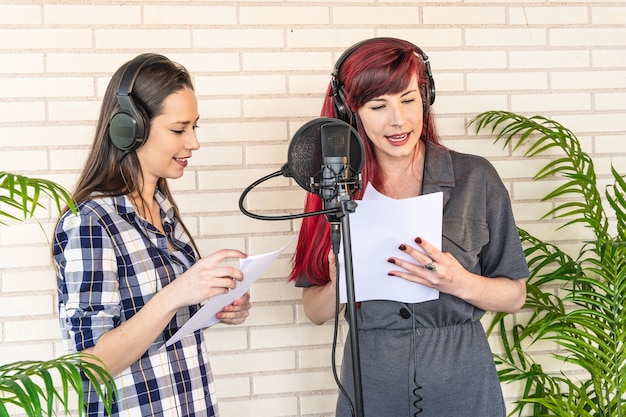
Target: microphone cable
418,387
335,334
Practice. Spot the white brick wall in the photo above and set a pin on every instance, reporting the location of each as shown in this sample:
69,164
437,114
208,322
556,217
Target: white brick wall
260,70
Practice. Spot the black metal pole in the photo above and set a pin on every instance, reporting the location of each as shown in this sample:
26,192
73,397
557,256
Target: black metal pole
348,206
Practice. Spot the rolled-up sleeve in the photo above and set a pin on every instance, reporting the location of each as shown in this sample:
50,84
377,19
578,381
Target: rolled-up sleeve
89,298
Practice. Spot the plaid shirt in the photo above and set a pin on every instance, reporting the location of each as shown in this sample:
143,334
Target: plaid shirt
110,262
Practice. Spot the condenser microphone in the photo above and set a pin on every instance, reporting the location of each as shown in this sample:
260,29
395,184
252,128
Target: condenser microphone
336,172
335,142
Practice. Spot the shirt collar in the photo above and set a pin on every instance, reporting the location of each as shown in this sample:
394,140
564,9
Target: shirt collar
438,169
125,208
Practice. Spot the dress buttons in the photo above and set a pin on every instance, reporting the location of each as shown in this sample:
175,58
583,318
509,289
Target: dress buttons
404,313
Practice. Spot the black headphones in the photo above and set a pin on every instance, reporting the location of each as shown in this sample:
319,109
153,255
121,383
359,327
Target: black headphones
342,109
129,126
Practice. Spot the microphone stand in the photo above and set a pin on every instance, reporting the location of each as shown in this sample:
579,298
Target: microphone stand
336,137
349,206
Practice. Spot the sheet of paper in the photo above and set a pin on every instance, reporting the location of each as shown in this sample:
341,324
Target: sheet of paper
252,267
377,227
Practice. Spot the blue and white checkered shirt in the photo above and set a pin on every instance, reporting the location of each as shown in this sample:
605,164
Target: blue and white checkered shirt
110,263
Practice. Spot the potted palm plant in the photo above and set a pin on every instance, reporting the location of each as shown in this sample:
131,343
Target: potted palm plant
577,302
33,386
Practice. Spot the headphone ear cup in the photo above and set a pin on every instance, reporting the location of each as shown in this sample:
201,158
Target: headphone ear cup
430,85
341,108
428,97
122,131
128,128
428,93
431,90
129,125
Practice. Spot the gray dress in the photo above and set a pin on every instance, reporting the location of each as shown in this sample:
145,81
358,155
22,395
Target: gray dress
432,359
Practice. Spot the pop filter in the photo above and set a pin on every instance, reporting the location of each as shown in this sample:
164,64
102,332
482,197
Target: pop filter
305,158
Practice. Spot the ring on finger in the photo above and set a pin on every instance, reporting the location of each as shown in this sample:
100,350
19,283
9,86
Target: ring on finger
430,266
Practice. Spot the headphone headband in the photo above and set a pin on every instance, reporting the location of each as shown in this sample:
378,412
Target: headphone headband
344,112
130,125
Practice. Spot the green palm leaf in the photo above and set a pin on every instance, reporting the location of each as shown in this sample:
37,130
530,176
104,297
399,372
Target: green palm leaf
30,386
23,194
578,303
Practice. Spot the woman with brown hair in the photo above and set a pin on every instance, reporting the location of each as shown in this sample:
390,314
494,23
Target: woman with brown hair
129,273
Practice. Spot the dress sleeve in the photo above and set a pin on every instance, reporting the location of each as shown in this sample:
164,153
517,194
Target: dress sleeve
503,255
303,282
89,298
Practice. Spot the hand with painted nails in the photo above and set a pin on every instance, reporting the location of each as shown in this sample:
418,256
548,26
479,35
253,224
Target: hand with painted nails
432,267
447,275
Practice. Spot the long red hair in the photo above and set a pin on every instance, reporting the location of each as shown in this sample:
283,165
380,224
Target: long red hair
377,67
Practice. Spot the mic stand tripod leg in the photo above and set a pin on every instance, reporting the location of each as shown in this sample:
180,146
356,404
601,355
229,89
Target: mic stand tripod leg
351,306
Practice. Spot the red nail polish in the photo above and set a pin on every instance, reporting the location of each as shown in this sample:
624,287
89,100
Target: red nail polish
390,274
418,240
402,247
391,261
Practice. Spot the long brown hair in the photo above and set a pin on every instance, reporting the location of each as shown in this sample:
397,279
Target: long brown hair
378,67
109,171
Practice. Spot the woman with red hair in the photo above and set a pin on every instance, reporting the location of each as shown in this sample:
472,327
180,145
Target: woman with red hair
430,358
